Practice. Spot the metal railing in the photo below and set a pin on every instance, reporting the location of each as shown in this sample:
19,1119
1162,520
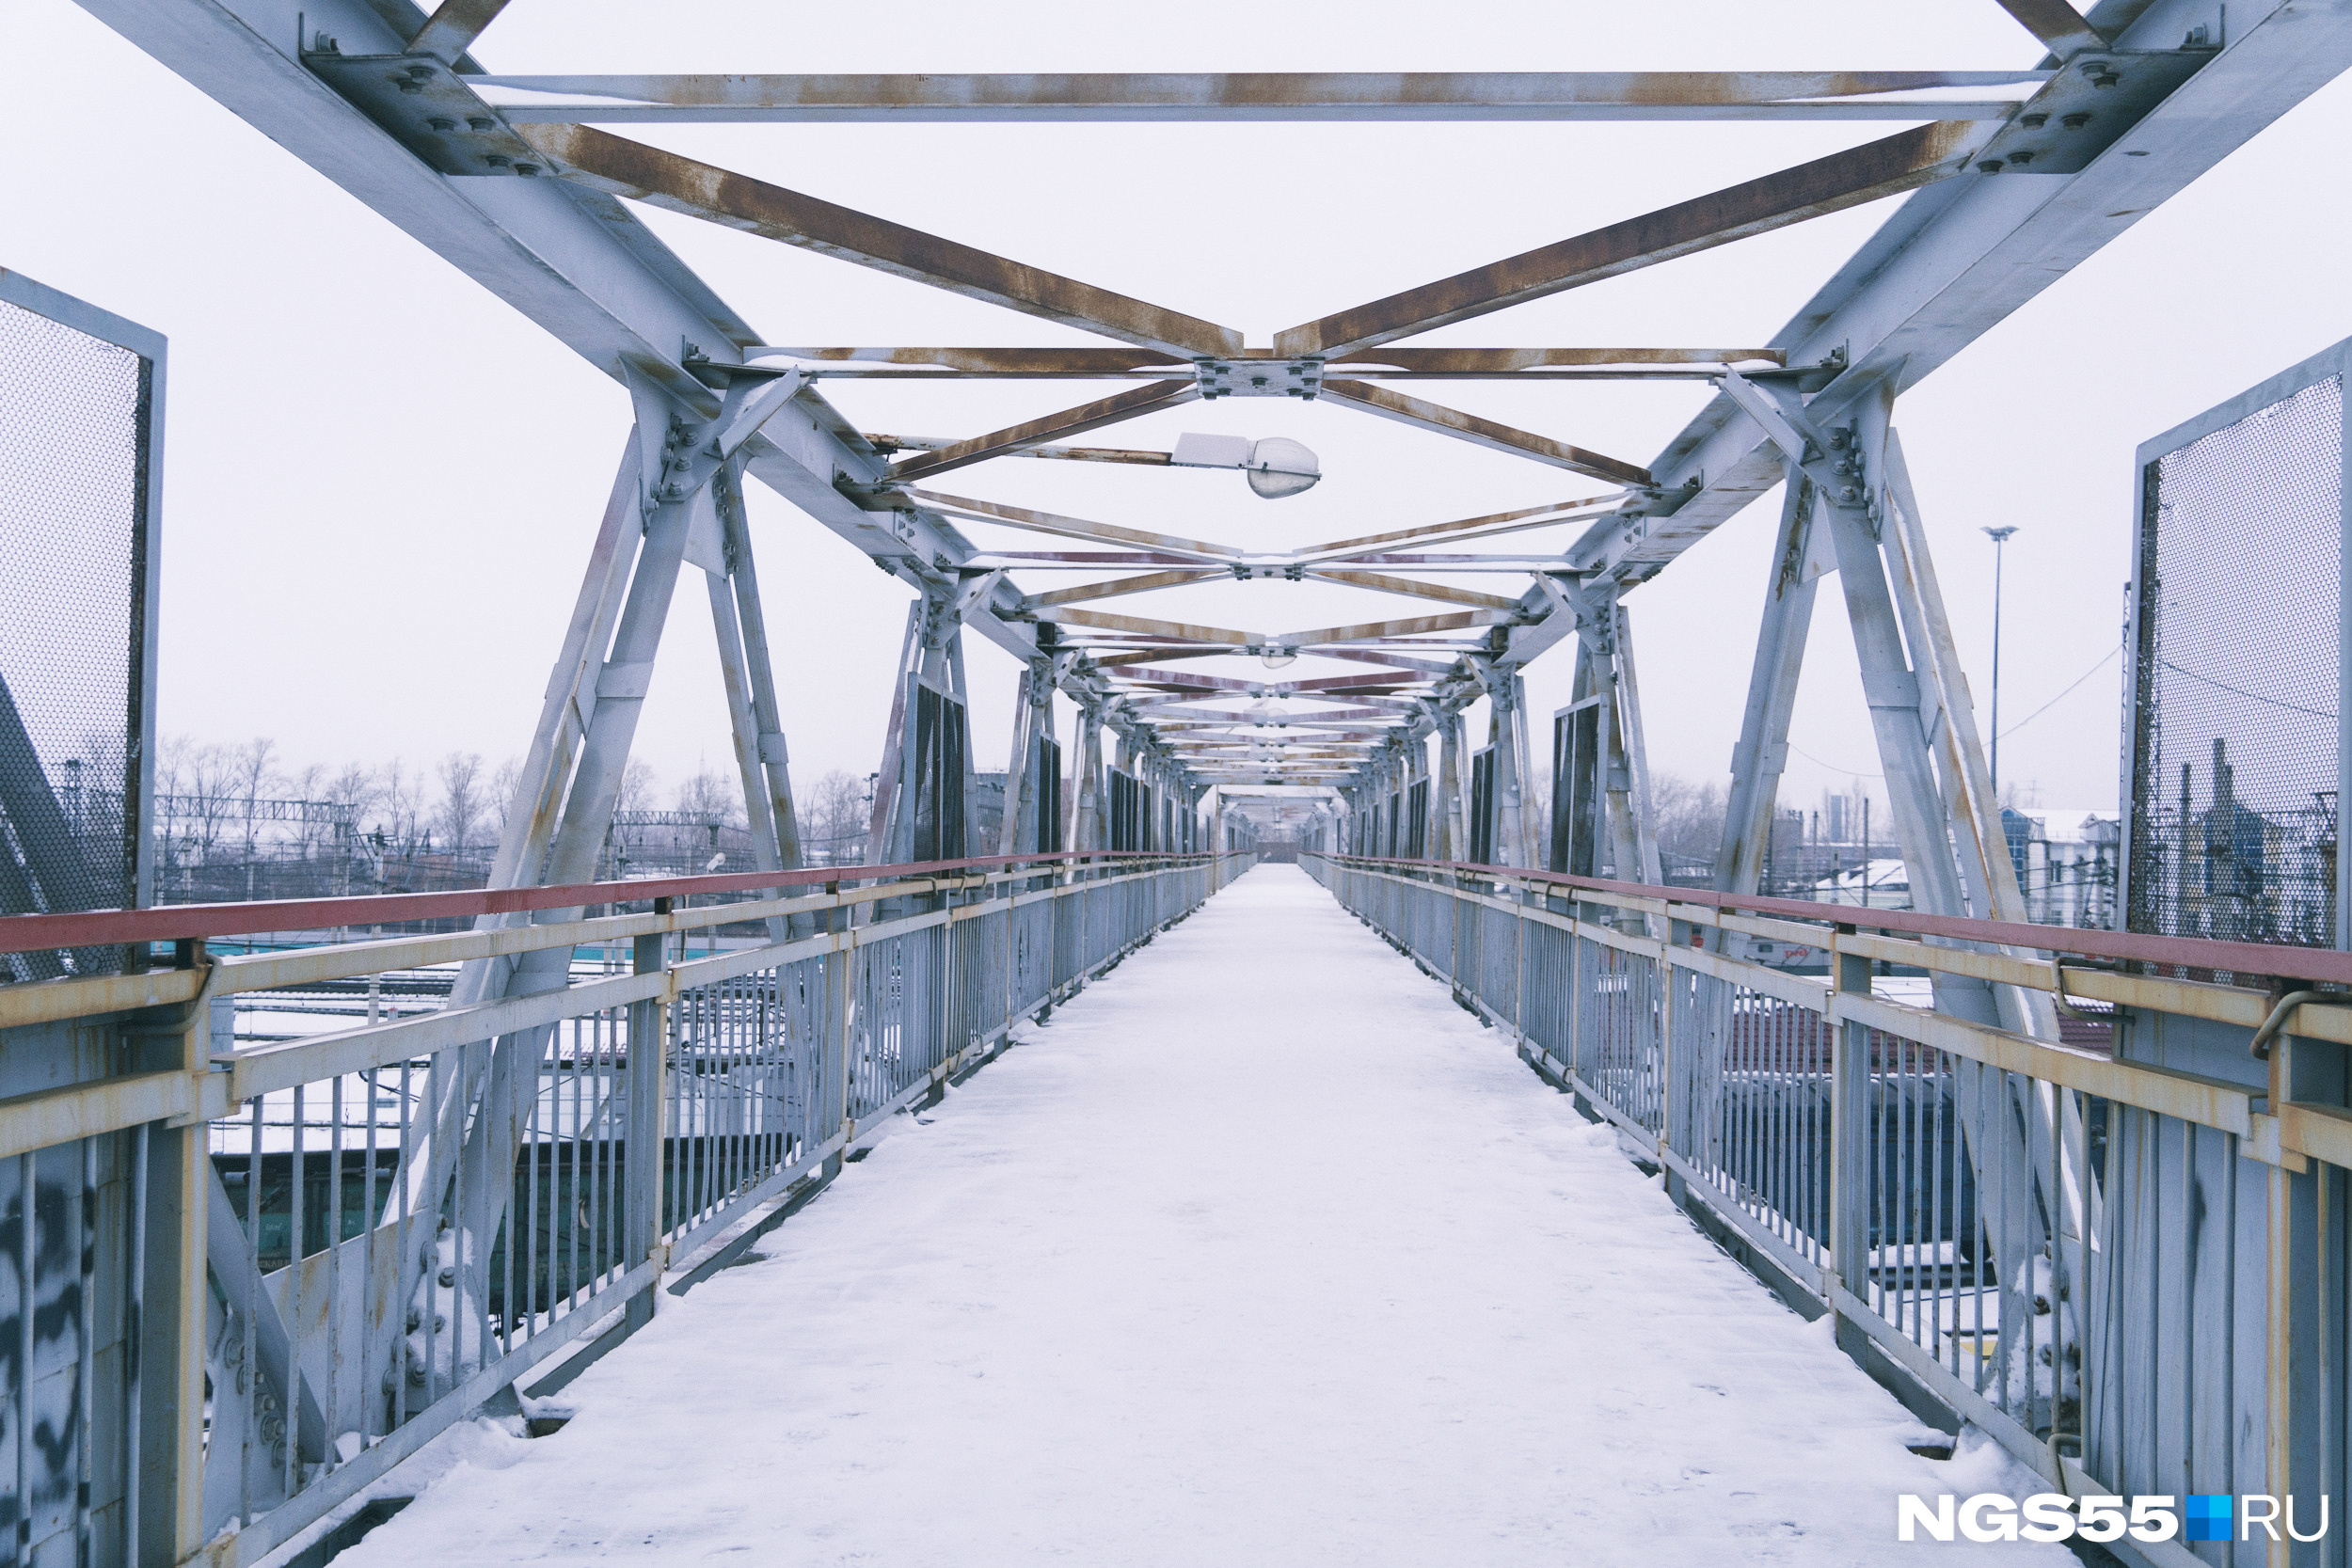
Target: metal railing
2124,1259
261,1274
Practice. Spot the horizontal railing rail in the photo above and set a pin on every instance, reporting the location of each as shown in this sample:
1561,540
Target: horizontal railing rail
26,933
2104,1250
267,1267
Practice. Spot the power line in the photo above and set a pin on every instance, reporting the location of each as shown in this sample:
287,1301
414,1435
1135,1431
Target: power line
2062,696
1852,773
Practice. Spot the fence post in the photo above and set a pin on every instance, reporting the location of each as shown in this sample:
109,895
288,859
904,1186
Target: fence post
1849,1145
648,1062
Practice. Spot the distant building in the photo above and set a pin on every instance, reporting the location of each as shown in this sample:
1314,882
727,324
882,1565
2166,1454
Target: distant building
2066,859
1879,883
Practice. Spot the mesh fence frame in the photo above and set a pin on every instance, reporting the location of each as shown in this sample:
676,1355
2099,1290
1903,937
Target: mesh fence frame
2235,725
74,453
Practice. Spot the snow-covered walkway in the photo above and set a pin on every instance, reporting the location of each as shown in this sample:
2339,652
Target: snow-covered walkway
1261,1252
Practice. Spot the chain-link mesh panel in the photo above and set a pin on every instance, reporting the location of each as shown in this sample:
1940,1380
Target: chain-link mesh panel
74,450
2234,766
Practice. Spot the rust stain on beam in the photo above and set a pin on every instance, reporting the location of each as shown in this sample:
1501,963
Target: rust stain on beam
989,361
1121,406
1483,431
1491,519
1072,528
1142,584
1494,361
628,169
1063,615
1385,584
1842,179
1395,628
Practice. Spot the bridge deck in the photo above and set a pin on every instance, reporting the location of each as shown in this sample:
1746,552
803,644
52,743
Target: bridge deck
1261,1252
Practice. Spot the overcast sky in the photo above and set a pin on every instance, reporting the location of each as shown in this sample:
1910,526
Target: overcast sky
381,481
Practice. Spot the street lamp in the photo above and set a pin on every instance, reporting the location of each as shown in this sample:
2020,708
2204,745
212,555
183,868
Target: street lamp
2000,537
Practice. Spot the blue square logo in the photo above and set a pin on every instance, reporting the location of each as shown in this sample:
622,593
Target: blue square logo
2208,1517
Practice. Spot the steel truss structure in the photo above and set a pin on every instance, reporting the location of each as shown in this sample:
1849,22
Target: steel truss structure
2012,178
2009,180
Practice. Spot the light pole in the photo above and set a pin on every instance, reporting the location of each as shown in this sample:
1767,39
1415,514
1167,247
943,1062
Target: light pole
2000,537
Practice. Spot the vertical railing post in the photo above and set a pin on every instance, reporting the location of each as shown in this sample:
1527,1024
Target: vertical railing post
1667,1099
1848,1143
648,1061
832,1098
169,1343
1519,931
2279,1381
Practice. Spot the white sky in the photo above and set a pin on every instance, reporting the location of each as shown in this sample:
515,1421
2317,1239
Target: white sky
382,482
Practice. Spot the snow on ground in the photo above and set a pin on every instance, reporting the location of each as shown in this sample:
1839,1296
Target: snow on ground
1261,1252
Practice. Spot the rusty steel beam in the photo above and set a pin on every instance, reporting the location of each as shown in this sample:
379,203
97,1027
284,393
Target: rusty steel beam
1556,511
1481,431
1899,163
1063,615
1115,410
1350,683
450,31
1392,661
1521,361
1398,629
1177,679
1382,583
1258,96
619,166
2061,28
1074,362
1144,584
1074,528
1154,656
887,444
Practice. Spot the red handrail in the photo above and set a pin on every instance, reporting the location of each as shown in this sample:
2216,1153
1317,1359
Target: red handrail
2238,957
26,933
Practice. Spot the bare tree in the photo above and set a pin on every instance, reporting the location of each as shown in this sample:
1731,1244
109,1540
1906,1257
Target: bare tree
463,802
835,821
638,782
1689,815
200,781
308,782
254,769
398,800
502,802
711,796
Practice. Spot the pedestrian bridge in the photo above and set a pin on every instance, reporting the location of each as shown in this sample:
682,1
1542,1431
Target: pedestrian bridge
1340,1210
1454,1189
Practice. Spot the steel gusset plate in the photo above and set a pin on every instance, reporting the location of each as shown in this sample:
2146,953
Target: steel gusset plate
2074,118
428,108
